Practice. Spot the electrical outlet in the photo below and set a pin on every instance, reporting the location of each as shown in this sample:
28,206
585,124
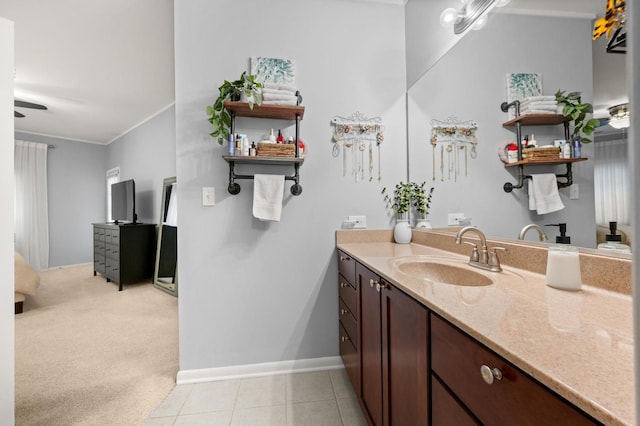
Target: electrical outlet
208,196
360,222
574,192
454,219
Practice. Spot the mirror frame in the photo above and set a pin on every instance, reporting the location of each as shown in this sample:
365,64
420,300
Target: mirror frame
173,291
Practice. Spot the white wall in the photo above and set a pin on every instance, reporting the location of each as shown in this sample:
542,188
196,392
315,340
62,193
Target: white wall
256,292
146,154
7,366
76,197
469,82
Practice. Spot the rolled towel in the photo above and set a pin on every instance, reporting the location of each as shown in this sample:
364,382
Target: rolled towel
276,86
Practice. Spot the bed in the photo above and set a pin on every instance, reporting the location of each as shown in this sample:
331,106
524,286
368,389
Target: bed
27,281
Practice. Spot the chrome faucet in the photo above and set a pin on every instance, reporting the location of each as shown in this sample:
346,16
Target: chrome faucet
542,235
484,258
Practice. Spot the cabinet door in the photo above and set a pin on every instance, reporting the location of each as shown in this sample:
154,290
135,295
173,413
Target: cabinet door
370,344
404,359
446,409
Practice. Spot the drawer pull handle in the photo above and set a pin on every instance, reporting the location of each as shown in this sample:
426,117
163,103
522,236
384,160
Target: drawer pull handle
344,339
372,282
344,259
342,285
489,374
343,311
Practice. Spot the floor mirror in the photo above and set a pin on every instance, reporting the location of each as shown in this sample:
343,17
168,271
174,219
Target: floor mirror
165,276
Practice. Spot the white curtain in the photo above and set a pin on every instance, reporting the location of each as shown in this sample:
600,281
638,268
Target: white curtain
32,213
612,182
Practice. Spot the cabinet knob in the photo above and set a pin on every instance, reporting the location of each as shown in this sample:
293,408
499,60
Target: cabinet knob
490,374
343,311
343,285
344,338
372,282
344,259
382,286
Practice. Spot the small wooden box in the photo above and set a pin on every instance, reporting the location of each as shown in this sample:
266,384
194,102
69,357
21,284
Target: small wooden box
541,153
276,150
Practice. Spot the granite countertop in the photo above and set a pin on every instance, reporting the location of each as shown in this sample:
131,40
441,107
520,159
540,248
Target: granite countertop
579,344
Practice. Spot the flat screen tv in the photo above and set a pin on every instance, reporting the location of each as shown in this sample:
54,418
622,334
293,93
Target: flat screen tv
123,202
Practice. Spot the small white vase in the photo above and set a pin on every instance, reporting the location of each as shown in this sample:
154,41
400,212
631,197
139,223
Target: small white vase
402,230
423,223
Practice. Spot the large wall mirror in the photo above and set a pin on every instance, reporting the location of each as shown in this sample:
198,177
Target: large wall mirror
468,83
166,271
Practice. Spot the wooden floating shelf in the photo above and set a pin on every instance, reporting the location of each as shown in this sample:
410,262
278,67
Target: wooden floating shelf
538,120
545,161
280,112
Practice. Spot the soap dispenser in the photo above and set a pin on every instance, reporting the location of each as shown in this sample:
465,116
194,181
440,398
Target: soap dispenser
563,263
614,241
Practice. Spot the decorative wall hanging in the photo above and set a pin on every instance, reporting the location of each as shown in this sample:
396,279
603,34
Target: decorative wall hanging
274,70
456,138
522,85
358,134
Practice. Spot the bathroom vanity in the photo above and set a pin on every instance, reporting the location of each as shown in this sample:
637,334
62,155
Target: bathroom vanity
426,339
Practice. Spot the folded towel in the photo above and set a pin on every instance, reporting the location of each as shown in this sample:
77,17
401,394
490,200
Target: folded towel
288,102
543,193
267,196
528,102
537,111
278,97
543,106
277,92
540,98
285,87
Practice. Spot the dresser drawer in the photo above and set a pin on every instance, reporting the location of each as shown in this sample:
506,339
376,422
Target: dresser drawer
516,398
347,267
350,359
349,323
112,251
349,295
446,410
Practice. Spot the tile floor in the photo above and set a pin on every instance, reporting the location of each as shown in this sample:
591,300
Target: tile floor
316,398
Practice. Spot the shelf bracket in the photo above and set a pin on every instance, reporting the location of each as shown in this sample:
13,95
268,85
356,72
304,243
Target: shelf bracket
508,187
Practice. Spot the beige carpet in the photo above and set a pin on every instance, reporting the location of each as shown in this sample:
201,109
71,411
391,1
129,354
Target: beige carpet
87,354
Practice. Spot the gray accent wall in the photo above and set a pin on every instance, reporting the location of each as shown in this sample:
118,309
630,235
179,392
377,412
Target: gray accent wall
147,154
252,291
76,191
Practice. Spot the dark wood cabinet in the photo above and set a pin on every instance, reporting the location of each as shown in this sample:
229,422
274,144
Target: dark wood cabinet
466,368
348,318
394,353
124,253
446,409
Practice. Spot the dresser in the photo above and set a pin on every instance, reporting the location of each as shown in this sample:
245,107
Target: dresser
124,253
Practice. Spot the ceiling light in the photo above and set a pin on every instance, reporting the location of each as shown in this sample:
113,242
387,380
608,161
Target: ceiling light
448,17
619,116
470,13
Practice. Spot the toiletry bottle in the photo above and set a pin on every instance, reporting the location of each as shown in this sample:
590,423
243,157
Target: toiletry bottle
232,144
532,141
238,150
566,149
252,151
290,141
272,137
512,153
563,263
614,241
280,138
245,145
577,149
301,148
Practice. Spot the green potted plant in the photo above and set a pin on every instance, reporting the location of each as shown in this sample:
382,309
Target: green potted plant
577,110
422,202
232,91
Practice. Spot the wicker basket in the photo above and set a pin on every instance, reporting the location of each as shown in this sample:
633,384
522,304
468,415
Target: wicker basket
276,150
541,153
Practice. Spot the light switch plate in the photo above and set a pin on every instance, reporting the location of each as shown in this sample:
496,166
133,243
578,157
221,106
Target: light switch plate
360,222
208,196
454,219
574,192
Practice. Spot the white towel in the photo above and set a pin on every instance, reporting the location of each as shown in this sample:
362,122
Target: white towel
540,98
266,91
543,193
267,197
527,102
280,97
284,87
537,111
289,102
535,105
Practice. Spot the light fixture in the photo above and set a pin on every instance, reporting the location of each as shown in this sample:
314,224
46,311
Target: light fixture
472,12
613,25
619,116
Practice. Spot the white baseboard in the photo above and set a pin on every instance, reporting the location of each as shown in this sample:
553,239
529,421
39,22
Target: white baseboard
66,266
257,370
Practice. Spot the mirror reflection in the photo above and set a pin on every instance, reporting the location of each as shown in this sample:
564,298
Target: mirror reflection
469,83
165,276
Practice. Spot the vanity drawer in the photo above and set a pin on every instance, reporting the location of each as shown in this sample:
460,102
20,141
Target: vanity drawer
349,323
349,295
350,359
347,267
446,409
457,359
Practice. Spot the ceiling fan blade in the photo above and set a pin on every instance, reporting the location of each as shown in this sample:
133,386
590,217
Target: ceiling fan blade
16,114
23,104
